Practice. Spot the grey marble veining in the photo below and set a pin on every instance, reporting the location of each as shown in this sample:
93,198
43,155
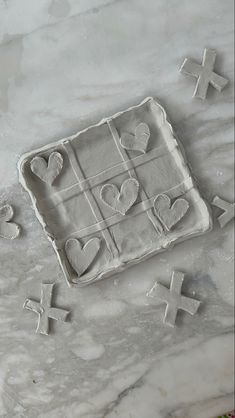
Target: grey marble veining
64,65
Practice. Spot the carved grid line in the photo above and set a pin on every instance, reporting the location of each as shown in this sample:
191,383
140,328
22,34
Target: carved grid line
132,173
66,194
102,224
141,207
90,198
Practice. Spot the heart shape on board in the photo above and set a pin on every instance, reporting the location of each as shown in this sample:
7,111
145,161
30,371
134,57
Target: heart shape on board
120,201
8,230
169,214
47,172
137,142
80,257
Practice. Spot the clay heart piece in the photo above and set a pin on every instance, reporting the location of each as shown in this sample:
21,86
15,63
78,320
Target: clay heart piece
8,230
120,201
137,142
80,257
169,214
47,172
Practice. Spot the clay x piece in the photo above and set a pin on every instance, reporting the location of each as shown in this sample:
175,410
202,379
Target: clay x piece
173,298
45,310
227,207
8,229
204,73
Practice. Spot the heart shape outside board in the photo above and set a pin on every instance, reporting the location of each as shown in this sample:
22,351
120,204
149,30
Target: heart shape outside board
8,230
80,257
169,214
120,201
47,172
137,142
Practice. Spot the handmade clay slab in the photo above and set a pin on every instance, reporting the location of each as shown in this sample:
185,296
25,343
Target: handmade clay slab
114,194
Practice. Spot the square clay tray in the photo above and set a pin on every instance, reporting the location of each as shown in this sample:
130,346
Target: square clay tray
73,184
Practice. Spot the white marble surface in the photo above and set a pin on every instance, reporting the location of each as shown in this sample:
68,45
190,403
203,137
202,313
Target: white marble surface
65,64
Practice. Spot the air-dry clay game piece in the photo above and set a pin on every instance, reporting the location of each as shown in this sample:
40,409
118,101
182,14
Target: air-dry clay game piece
117,200
8,229
227,207
137,142
173,298
120,201
204,73
169,214
45,310
47,172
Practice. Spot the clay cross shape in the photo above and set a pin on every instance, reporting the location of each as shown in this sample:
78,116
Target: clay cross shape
227,207
174,299
44,309
204,73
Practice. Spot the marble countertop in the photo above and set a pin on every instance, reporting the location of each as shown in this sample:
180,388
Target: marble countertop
65,64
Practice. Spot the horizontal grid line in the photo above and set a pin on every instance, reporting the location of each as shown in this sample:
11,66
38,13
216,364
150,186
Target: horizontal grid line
94,181
142,207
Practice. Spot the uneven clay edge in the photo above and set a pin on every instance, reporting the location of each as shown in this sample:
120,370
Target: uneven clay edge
208,224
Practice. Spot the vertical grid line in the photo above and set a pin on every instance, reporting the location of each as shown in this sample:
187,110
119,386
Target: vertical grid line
132,173
90,198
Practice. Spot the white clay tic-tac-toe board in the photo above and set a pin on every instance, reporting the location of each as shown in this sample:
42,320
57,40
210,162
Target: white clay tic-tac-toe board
114,194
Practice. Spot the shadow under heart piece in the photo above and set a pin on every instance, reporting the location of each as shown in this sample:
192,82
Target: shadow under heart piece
114,194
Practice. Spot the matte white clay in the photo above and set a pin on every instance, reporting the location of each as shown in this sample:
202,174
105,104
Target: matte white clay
204,73
227,207
44,309
47,172
120,201
107,192
169,214
139,141
81,258
173,298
